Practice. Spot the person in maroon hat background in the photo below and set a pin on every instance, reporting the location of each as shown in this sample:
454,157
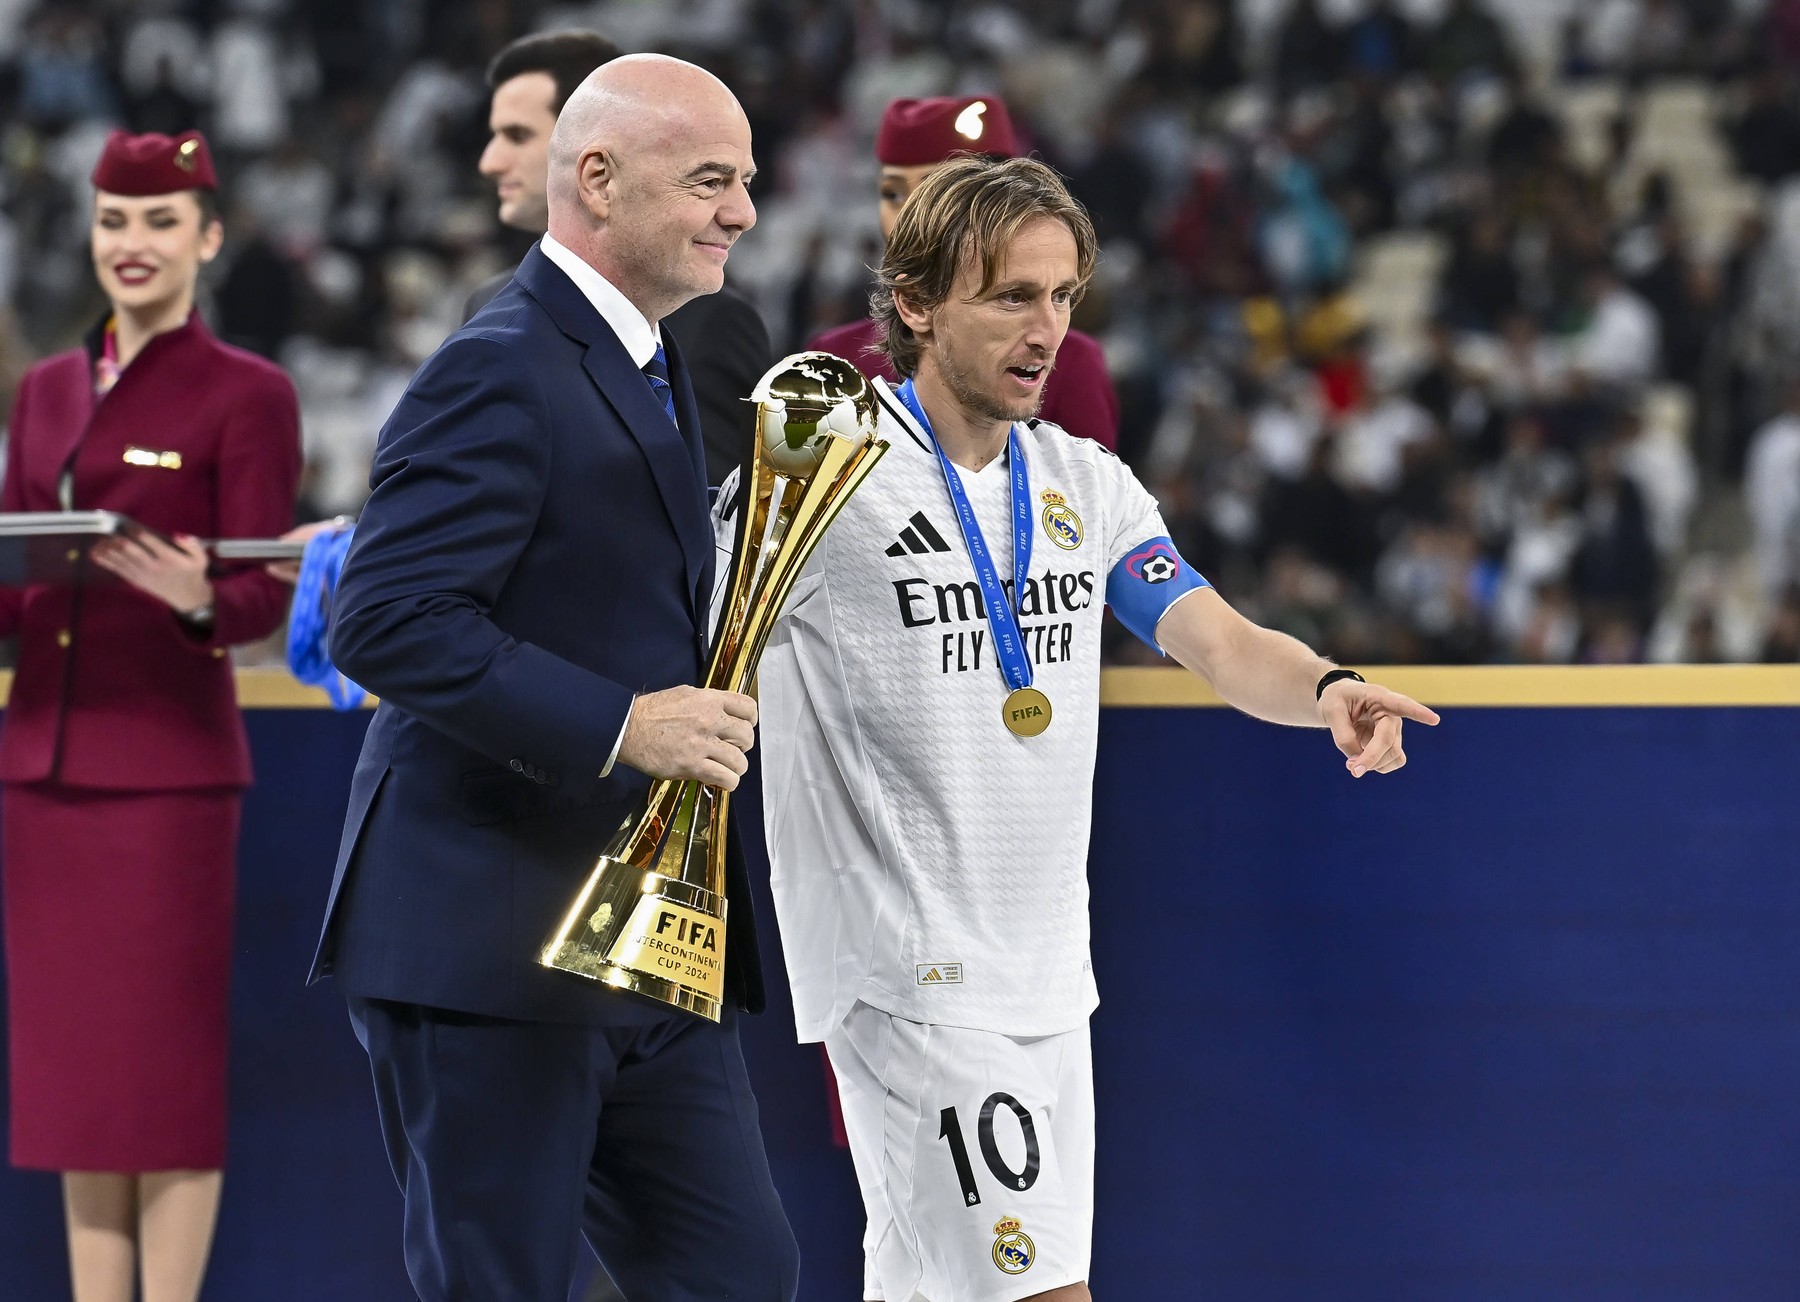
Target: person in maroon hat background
122,755
917,136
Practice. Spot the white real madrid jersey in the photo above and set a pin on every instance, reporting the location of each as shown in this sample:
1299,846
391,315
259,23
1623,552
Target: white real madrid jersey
925,860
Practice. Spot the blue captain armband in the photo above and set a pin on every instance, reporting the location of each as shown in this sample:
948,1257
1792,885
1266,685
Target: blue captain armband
1143,586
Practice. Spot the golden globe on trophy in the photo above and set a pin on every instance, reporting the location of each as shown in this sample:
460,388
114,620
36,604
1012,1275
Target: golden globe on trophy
651,918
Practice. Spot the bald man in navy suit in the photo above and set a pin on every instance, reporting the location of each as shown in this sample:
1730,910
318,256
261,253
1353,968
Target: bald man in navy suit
526,594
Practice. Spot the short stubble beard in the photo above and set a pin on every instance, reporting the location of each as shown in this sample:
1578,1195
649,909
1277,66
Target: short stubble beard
970,397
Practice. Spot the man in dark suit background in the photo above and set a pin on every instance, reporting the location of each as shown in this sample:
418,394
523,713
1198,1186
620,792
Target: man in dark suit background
722,335
526,593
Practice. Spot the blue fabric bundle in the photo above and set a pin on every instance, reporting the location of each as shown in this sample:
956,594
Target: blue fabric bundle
310,620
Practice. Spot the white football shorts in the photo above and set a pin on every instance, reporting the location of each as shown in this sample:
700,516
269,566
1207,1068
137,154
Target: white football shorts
975,1153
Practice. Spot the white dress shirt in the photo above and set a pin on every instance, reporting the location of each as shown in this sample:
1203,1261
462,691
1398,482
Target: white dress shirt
641,339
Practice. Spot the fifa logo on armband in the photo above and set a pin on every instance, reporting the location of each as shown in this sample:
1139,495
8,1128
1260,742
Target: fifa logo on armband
1013,1249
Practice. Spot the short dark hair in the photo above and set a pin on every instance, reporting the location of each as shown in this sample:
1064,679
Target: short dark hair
567,56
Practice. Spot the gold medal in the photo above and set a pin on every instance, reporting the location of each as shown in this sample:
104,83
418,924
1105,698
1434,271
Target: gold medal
1026,712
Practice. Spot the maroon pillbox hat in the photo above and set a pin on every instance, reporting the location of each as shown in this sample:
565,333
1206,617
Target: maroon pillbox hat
919,132
154,164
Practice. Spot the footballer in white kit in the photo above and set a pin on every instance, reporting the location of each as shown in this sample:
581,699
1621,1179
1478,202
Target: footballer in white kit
928,842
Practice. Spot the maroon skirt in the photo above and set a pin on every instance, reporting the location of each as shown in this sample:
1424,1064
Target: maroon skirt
118,964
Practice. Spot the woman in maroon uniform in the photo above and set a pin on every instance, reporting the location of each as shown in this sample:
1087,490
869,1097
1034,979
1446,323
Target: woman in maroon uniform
122,756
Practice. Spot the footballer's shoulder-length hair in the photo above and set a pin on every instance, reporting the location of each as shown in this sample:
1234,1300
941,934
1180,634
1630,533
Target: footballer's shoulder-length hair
966,213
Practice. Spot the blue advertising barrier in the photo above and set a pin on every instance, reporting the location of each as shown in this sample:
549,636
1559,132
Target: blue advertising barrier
1519,1024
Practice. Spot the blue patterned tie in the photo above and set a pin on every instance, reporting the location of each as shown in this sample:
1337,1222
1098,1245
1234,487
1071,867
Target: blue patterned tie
656,370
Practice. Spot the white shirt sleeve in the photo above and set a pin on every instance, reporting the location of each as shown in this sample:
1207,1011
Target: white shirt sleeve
1132,515
1145,575
613,757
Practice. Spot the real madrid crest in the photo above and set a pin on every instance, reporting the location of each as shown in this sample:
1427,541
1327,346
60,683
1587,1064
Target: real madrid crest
1060,520
1013,1250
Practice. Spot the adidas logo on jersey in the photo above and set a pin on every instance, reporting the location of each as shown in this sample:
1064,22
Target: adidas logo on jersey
918,538
940,974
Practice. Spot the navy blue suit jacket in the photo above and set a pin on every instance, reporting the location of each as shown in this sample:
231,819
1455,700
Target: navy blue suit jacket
535,550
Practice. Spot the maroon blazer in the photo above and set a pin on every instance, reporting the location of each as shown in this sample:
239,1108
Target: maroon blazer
1078,395
113,689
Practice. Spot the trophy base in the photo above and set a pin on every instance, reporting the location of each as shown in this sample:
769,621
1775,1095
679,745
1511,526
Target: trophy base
647,934
662,990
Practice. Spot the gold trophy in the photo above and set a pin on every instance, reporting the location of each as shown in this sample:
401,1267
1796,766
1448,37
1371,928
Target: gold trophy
651,918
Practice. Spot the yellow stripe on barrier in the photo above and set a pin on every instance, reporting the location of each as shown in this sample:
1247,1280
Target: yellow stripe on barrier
1506,685
1141,687
277,689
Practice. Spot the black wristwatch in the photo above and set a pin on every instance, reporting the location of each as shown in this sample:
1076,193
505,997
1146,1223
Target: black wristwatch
1333,675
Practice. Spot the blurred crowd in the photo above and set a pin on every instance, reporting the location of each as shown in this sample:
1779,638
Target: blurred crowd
1456,331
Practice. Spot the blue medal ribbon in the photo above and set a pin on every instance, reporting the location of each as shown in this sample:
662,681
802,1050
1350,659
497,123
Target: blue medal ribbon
1003,623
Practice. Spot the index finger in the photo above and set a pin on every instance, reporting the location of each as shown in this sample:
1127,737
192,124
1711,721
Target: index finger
1407,708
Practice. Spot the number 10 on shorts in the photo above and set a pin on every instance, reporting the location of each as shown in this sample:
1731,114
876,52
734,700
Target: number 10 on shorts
950,1131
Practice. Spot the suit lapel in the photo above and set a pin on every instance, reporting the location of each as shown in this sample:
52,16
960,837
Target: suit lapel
681,485
687,411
